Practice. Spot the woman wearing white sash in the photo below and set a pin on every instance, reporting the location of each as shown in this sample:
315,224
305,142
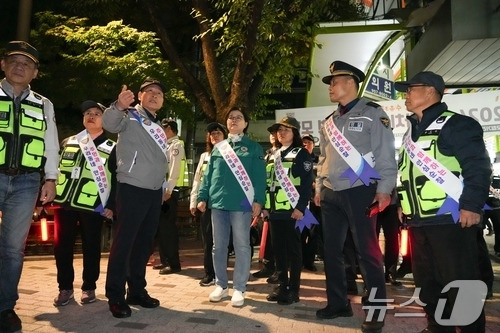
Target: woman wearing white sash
234,188
294,165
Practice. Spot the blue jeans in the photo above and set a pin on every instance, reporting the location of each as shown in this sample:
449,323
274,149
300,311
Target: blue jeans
223,221
18,196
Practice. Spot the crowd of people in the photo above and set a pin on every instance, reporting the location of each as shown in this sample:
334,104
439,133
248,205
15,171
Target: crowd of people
331,206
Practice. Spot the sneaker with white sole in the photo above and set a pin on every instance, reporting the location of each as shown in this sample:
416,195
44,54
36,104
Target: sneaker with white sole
218,294
88,296
63,298
238,298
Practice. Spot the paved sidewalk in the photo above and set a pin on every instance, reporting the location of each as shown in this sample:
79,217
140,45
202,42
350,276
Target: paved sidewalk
185,306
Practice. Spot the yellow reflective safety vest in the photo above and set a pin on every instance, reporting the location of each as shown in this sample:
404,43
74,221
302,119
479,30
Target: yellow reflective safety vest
417,194
183,180
22,133
276,198
76,186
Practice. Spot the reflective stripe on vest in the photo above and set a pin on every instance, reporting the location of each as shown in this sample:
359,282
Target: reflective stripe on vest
76,186
22,134
417,194
276,198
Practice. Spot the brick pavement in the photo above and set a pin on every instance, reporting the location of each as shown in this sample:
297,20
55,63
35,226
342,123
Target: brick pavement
185,306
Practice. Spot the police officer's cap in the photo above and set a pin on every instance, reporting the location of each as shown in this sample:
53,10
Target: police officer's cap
289,122
342,68
308,137
150,81
216,126
89,104
23,48
169,122
422,79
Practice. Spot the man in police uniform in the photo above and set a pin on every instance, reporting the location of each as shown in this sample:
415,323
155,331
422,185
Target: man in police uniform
168,235
85,197
444,242
28,125
356,168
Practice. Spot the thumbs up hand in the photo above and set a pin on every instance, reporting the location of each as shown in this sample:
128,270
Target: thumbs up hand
125,98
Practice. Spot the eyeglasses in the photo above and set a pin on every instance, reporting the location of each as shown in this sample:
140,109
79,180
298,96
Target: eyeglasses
410,88
92,114
235,118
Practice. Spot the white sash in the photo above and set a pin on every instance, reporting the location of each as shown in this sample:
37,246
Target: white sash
154,130
94,161
360,166
284,181
237,168
432,169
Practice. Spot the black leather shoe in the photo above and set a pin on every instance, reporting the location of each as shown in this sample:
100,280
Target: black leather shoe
311,268
390,279
143,300
159,266
169,270
288,297
9,321
273,279
372,326
273,296
120,309
263,273
330,312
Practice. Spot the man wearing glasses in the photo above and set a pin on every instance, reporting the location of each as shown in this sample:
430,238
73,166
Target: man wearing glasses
445,178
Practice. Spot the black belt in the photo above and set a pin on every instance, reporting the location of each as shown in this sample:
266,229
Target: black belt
14,172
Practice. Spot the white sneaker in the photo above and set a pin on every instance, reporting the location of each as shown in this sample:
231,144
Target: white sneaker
218,294
238,298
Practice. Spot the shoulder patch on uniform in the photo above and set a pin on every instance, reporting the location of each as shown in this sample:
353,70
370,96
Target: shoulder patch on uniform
175,152
307,165
296,149
375,105
385,121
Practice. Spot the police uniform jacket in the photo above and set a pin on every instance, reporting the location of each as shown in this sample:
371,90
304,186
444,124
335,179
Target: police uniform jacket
51,152
301,168
176,153
198,175
461,137
368,129
140,161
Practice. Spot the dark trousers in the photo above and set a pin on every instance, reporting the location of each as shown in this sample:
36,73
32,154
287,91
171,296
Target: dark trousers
168,234
287,251
208,242
494,216
484,263
389,222
138,213
65,231
442,254
350,258
343,210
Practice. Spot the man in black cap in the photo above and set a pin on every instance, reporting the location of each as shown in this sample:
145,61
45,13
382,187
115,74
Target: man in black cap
85,208
141,152
28,156
443,211
356,169
168,235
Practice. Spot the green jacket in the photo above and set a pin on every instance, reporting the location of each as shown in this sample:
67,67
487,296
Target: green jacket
220,189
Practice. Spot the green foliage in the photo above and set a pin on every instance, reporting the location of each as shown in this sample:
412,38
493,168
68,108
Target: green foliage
93,62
